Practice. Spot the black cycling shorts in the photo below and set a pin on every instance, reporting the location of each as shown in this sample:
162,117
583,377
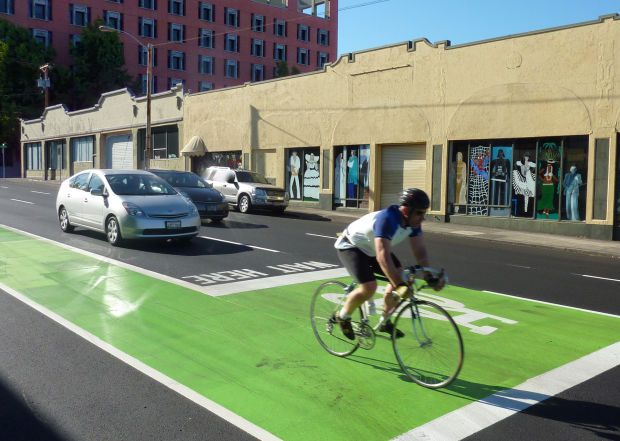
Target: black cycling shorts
361,266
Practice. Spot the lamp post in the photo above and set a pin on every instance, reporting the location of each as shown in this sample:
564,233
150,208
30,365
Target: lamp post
149,79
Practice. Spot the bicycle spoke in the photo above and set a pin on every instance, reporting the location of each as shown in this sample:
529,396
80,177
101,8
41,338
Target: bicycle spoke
431,352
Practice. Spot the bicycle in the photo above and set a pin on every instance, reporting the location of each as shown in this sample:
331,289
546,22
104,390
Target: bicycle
431,351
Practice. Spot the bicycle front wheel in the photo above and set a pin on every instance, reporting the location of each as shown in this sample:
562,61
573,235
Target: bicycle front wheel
328,299
431,352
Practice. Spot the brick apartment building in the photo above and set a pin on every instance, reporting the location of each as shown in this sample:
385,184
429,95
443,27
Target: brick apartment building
203,44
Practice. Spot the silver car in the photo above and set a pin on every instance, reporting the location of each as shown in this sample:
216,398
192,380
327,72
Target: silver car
125,204
246,189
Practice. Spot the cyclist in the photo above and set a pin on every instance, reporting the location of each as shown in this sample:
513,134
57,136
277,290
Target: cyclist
365,248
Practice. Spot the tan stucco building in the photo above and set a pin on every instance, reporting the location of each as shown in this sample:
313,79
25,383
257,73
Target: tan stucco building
518,132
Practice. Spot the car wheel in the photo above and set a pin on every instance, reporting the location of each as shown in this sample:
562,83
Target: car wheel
63,218
244,204
216,219
113,231
279,210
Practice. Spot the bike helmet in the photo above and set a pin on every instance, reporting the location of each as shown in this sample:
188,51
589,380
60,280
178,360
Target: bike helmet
414,198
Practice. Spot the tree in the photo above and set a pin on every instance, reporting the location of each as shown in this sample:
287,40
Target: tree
98,67
282,69
20,58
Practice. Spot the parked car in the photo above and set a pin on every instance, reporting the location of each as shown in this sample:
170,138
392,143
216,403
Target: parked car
246,189
211,204
125,204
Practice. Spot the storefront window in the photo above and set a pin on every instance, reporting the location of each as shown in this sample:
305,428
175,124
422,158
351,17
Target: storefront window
351,182
302,173
529,178
232,159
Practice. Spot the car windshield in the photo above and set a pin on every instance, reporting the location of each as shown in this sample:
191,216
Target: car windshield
188,180
245,176
138,184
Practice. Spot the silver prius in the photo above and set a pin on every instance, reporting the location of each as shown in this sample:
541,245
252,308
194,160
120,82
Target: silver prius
125,204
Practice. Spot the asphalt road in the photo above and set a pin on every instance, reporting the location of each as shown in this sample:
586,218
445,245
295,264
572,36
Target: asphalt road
56,386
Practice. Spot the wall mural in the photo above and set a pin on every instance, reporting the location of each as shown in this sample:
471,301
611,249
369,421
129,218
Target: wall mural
547,205
501,160
524,186
478,180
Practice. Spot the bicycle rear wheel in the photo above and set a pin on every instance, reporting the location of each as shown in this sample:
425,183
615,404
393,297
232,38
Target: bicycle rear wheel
431,352
327,300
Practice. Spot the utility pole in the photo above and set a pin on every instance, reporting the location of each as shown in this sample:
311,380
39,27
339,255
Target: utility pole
45,82
149,80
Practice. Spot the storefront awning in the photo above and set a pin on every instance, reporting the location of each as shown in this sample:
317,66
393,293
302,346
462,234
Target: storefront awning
195,147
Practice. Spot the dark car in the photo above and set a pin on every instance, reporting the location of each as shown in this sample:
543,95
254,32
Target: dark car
211,204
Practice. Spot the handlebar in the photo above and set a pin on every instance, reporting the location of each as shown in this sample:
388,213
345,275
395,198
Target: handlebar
430,275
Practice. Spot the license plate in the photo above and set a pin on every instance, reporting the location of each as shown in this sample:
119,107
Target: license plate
173,225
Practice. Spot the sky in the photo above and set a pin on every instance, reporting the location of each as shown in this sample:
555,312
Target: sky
365,24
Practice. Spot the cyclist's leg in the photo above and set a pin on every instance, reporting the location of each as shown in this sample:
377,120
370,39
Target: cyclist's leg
390,301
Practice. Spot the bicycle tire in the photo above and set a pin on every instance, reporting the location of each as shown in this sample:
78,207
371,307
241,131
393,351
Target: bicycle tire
433,356
326,301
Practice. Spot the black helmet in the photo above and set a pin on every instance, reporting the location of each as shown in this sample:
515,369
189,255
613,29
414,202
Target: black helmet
414,198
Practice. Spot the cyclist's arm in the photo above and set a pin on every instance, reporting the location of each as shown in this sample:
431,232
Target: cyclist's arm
384,257
418,246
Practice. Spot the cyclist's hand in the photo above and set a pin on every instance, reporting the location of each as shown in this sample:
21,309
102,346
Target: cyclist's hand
437,283
402,291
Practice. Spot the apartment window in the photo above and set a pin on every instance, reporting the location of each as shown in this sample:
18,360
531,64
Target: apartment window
258,72
7,7
231,69
303,33
176,60
321,58
205,38
115,1
231,17
42,36
258,23
205,65
258,48
113,19
74,40
231,42
322,37
279,52
303,56
40,9
204,86
279,27
176,32
171,83
206,11
176,7
147,27
143,56
148,4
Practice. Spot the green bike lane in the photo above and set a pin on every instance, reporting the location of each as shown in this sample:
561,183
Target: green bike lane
254,352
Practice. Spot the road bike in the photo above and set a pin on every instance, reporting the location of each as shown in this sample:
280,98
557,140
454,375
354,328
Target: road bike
431,351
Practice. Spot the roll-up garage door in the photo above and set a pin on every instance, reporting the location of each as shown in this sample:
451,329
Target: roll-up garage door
120,151
402,166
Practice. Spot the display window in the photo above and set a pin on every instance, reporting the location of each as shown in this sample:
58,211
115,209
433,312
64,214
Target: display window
536,178
232,159
303,173
351,173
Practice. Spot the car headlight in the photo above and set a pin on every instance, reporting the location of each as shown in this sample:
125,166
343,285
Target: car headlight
192,207
260,192
132,209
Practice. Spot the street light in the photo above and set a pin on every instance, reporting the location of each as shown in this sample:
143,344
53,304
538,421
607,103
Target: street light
149,79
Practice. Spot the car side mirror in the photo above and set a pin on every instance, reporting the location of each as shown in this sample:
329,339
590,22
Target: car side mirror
230,179
96,192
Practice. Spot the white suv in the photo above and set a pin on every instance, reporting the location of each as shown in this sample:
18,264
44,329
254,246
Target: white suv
246,189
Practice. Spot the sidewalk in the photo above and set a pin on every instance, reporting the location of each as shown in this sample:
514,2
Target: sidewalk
568,243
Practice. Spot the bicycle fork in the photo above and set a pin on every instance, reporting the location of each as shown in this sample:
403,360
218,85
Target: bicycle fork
416,320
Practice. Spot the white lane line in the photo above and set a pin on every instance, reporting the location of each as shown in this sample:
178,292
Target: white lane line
2,186
170,383
467,233
474,417
39,192
23,202
519,266
552,304
320,235
597,277
238,243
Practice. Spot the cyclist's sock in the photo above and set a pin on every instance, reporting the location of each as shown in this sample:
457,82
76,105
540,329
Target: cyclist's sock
343,315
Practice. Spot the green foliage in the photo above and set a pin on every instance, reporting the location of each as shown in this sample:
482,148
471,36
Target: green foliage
20,59
282,69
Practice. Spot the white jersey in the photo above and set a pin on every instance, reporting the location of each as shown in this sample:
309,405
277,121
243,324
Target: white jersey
386,223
